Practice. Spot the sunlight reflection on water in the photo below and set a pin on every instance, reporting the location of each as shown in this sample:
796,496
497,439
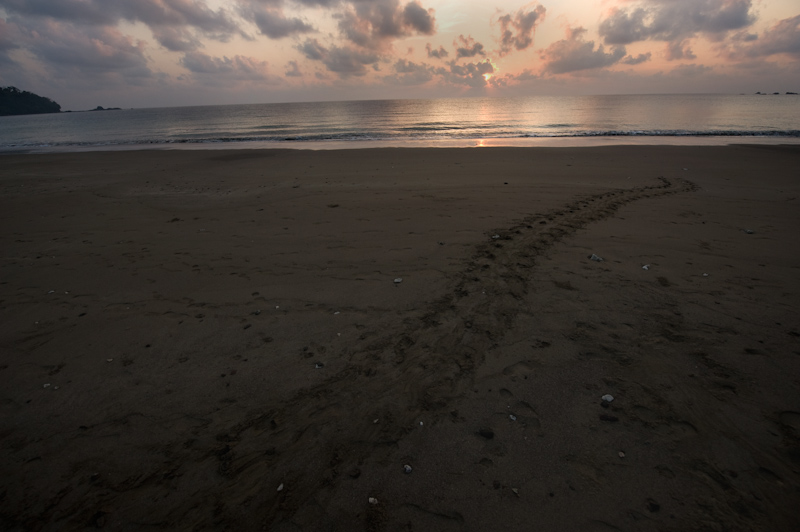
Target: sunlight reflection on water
482,122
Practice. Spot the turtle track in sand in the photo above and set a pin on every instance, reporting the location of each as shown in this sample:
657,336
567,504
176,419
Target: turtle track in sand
419,365
436,351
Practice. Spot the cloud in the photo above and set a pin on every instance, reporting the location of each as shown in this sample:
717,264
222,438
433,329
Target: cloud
469,47
516,31
675,22
240,68
574,53
690,71
420,19
176,39
158,15
641,58
679,50
470,74
344,61
374,24
8,37
69,50
783,38
313,50
293,70
410,73
272,22
440,53
11,72
525,75
349,62
84,11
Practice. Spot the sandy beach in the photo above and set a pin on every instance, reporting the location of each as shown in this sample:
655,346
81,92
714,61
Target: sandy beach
401,339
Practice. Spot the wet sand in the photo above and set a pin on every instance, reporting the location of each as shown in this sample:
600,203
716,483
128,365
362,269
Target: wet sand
220,340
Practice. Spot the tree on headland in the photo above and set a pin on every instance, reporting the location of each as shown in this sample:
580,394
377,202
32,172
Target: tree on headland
17,102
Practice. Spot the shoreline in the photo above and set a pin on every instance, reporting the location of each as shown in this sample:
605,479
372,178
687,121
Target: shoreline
216,338
527,142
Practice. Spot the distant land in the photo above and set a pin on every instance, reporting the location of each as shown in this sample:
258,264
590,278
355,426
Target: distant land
14,101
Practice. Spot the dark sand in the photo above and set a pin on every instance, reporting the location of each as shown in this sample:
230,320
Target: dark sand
164,315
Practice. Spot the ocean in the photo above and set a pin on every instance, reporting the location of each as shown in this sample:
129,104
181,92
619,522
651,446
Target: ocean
436,122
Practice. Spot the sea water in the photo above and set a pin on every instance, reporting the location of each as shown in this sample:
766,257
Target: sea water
435,122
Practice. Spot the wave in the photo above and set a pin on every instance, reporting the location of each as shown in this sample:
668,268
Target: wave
407,134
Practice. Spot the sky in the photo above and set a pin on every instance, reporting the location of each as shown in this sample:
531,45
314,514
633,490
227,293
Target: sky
158,53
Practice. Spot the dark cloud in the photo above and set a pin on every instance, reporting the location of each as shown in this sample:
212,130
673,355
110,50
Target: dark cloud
574,53
375,23
312,49
470,74
526,75
468,47
641,58
311,3
679,50
9,40
272,22
690,71
193,13
240,68
83,11
176,39
98,56
410,73
94,50
293,70
171,21
8,36
676,21
343,61
516,31
781,39
746,37
439,53
624,27
349,62
420,19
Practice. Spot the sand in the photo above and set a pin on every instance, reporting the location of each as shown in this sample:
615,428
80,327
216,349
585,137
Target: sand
219,340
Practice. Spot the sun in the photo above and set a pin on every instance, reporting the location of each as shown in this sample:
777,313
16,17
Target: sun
487,77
